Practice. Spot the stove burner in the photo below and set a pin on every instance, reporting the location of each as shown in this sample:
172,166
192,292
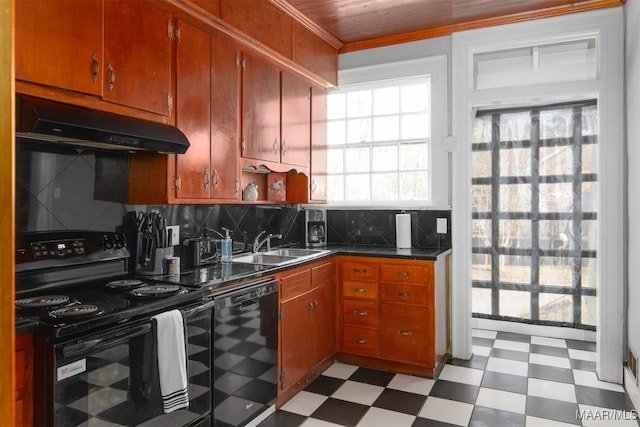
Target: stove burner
124,285
42,302
156,291
76,312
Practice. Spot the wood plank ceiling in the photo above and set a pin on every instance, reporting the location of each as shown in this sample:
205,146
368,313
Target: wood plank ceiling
362,24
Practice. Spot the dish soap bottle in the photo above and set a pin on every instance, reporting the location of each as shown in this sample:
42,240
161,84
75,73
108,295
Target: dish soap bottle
226,246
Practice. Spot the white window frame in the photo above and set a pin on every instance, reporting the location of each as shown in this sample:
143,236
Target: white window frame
438,158
607,88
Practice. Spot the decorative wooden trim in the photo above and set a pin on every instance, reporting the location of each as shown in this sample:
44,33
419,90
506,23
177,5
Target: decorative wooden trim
7,215
482,23
289,9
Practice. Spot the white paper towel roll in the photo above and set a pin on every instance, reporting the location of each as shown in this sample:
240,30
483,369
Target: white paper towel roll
403,231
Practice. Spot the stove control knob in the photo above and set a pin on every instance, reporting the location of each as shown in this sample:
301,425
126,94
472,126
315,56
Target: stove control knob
120,241
107,241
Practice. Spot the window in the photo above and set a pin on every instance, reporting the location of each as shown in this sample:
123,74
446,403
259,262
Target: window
380,136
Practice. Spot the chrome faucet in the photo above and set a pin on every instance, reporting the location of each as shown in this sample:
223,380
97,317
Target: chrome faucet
257,243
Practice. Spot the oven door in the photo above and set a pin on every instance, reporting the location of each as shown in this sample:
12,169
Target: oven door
111,377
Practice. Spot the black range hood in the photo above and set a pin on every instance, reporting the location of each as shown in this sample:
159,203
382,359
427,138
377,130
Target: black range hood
44,122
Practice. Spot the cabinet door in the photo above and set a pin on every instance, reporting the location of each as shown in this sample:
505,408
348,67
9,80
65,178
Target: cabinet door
318,190
24,380
225,117
324,325
59,43
295,349
193,72
406,334
137,55
260,110
296,121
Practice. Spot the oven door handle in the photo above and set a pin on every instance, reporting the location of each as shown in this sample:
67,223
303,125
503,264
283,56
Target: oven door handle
188,312
96,343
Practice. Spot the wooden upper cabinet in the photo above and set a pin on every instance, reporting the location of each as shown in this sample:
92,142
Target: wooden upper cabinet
211,6
59,44
296,118
260,110
315,54
193,75
318,184
225,117
137,55
261,20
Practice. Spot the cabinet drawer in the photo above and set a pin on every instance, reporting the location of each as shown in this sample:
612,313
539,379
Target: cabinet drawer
404,334
359,271
295,284
360,341
401,273
356,289
322,274
360,313
410,294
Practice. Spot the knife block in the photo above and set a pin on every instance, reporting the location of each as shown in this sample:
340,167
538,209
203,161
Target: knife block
155,265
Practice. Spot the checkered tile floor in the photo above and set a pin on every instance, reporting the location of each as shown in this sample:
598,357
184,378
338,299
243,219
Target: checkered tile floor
512,380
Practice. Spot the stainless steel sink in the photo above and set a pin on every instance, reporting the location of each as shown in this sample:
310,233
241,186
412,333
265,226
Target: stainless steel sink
295,252
263,258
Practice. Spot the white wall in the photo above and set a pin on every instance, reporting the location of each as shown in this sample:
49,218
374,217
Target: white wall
632,59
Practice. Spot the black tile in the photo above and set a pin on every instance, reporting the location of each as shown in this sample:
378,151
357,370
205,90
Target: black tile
489,417
501,353
455,391
581,345
476,362
505,382
509,336
400,401
372,376
548,350
550,373
340,412
556,410
424,422
482,342
602,398
325,385
283,419
582,365
258,391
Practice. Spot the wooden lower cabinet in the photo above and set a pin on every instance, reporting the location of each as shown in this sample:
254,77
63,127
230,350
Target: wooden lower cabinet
388,317
307,325
24,380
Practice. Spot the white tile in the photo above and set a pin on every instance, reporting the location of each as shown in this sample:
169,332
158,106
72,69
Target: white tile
479,350
340,370
412,384
589,356
503,400
481,333
590,379
551,342
448,411
378,417
304,403
543,359
511,345
506,366
543,422
460,374
593,416
358,392
314,422
552,390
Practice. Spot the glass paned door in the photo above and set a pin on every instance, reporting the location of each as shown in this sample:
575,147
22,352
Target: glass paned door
534,213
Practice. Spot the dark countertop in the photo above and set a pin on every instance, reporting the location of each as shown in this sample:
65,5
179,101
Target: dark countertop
222,277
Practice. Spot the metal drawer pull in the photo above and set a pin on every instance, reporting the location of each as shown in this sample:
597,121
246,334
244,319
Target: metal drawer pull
404,294
360,289
403,273
360,313
359,341
359,270
404,333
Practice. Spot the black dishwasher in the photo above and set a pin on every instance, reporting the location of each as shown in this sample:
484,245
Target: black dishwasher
245,354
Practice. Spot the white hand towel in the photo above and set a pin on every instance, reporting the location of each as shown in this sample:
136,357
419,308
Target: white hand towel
172,360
